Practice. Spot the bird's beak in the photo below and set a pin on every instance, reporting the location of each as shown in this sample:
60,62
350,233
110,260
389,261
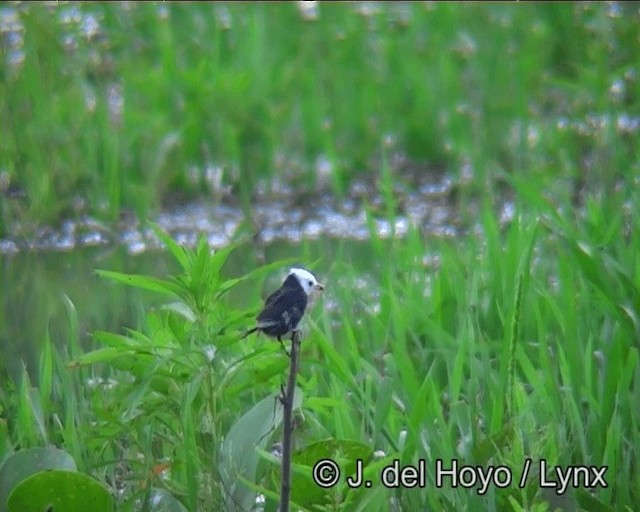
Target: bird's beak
319,286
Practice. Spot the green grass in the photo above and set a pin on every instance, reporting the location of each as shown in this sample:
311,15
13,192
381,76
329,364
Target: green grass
235,86
520,343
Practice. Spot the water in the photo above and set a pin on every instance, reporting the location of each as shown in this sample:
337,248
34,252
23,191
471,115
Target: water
37,287
279,213
33,290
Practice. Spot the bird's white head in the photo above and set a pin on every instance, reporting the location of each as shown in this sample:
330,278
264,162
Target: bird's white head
307,280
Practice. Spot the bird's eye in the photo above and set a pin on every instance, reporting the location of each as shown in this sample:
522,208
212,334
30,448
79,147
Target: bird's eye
310,283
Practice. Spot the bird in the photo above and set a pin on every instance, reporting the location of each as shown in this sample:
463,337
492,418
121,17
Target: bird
285,307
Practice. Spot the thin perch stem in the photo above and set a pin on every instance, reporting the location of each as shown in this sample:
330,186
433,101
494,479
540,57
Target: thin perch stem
287,422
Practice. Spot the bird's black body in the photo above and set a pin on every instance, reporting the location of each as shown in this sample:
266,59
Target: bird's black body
283,309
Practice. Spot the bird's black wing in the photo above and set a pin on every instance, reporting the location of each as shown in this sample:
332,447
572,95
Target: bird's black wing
295,315
291,300
275,296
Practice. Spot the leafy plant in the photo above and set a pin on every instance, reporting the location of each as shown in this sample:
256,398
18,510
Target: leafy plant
180,382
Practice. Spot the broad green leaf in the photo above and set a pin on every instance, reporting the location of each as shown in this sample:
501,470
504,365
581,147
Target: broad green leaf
101,355
25,463
239,456
115,340
59,490
153,284
182,309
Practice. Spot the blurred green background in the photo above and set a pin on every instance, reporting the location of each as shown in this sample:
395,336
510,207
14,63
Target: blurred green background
129,106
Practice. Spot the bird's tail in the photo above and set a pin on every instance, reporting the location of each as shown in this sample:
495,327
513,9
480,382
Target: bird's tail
250,331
